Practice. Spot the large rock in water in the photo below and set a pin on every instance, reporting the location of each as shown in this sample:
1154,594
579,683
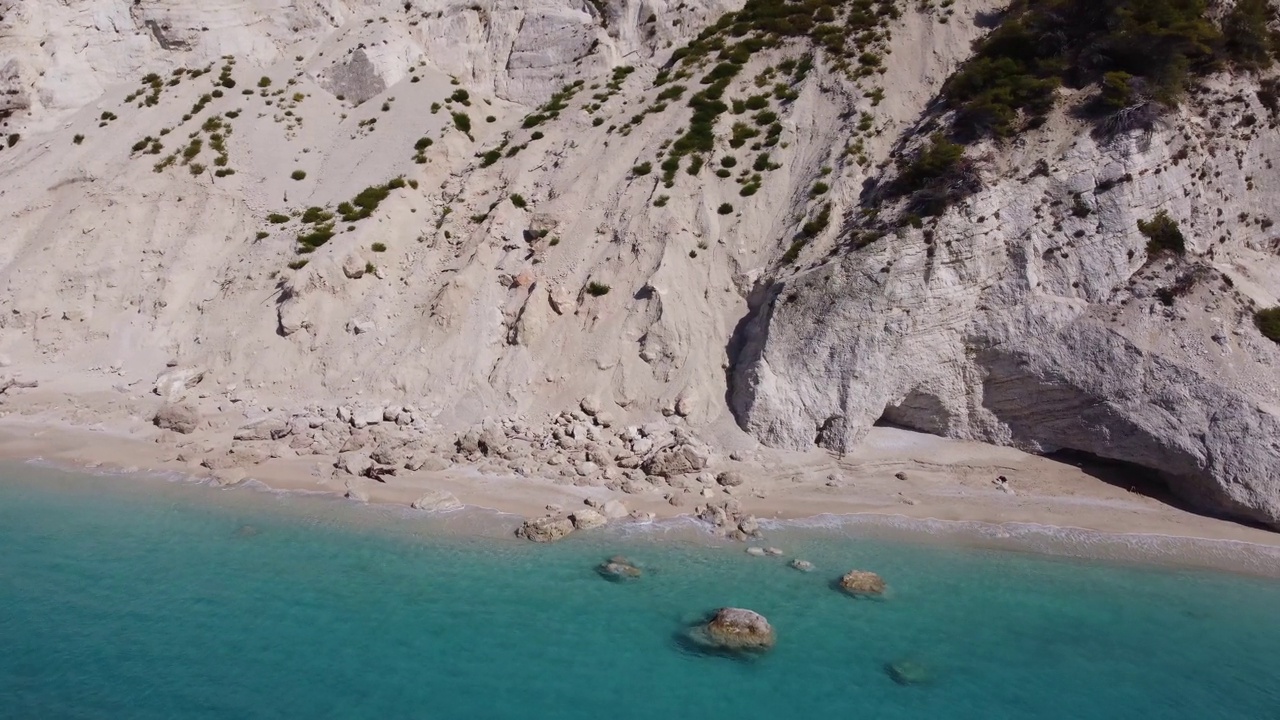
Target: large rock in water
738,629
546,529
861,583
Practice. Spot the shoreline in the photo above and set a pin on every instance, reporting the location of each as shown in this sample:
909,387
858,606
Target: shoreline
1082,528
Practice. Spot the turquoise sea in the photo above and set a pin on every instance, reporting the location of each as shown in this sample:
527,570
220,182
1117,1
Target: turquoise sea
132,598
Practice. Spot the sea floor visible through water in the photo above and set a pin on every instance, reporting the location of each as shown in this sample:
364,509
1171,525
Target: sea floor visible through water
135,598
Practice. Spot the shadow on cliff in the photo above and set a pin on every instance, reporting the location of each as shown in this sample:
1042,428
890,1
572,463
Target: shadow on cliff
1141,481
746,344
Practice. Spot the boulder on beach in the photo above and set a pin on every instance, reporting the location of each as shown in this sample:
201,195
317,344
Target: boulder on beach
436,501
587,519
545,529
737,629
862,582
908,672
678,460
618,568
614,510
179,417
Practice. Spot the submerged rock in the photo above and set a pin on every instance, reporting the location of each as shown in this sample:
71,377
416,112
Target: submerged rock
736,629
908,672
618,568
545,529
801,565
862,582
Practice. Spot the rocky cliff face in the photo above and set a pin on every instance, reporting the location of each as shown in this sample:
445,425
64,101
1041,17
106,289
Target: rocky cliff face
1034,315
480,209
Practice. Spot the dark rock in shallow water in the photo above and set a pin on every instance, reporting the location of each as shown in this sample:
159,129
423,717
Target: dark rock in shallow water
618,568
908,672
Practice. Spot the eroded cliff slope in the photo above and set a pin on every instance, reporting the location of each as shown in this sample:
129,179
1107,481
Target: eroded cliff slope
483,210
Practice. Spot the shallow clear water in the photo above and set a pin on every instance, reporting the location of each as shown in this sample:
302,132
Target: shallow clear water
194,603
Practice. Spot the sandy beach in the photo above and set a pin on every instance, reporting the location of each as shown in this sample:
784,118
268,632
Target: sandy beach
898,479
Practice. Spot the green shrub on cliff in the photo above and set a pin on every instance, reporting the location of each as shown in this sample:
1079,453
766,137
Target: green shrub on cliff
1162,234
1268,322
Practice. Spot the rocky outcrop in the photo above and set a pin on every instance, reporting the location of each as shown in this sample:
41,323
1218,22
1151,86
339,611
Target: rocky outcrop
861,583
1034,315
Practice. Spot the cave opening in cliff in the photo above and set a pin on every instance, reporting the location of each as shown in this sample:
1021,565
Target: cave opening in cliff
1128,476
918,411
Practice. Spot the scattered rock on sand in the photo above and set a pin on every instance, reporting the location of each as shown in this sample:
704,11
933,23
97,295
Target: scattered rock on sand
862,582
172,384
265,429
178,417
356,493
618,568
801,565
545,529
739,629
729,478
